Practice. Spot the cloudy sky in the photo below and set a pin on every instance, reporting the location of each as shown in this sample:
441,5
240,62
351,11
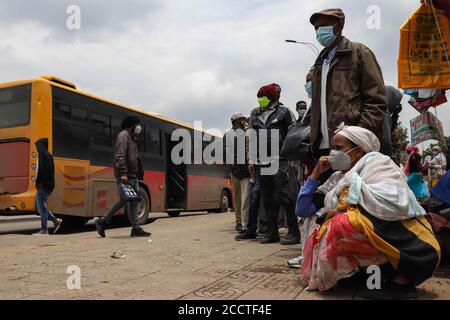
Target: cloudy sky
187,59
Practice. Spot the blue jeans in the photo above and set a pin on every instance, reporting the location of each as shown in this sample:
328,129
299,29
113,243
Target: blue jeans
41,206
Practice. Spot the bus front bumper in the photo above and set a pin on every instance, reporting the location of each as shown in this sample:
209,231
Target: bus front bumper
24,202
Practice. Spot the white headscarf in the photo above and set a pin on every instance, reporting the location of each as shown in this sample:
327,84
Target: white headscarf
378,185
361,137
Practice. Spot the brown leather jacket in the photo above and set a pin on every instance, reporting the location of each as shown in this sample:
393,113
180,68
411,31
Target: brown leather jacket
127,161
356,93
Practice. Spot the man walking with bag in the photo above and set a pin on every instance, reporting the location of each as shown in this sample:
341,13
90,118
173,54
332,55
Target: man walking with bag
127,169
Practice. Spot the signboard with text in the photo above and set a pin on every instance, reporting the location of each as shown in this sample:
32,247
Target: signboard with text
424,45
426,127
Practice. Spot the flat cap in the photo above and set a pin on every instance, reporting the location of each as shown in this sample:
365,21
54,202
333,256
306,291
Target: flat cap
237,116
332,12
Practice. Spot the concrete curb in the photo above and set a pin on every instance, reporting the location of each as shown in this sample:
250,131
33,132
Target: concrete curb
18,219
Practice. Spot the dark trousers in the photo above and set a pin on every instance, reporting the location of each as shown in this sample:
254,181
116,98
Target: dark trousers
275,193
132,210
255,199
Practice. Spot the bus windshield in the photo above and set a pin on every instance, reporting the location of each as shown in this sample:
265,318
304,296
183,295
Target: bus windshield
15,105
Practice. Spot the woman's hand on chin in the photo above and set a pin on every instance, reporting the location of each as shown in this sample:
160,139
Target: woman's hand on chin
322,166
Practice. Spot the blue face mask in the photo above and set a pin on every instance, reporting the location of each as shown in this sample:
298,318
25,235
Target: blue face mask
325,36
301,113
308,88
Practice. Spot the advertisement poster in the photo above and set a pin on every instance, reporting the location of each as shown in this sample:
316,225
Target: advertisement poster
426,127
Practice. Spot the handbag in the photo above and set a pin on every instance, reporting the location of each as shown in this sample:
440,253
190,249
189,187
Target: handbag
128,193
297,145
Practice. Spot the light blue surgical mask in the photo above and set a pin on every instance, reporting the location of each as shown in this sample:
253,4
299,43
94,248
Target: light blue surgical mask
325,36
308,88
301,113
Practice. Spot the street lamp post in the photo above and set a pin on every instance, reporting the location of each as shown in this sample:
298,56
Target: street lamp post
308,44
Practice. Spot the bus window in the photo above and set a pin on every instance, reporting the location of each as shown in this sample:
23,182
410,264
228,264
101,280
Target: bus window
70,132
79,114
116,127
101,130
62,111
152,141
15,105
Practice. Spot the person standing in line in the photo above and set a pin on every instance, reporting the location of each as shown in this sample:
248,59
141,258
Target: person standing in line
128,169
45,183
301,108
272,116
240,177
347,84
438,165
413,169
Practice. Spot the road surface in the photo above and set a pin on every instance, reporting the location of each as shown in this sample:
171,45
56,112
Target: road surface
193,256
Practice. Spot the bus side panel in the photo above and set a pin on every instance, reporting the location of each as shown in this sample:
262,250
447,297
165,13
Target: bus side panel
103,189
156,181
71,194
204,192
205,185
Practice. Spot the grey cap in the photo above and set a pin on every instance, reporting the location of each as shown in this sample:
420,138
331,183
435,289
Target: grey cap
237,116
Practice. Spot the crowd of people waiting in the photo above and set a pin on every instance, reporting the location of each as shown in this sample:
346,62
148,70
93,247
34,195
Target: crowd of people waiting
358,204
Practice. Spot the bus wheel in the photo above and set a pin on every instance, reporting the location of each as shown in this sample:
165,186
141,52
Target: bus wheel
144,207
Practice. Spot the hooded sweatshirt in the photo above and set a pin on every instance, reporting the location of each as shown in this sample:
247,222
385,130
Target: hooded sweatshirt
46,170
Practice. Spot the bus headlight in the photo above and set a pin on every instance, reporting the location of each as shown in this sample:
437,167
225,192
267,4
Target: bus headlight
33,178
33,166
34,155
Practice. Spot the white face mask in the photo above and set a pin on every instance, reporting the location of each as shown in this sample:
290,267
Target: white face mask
340,160
138,130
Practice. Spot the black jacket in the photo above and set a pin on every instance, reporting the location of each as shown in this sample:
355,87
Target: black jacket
240,171
280,119
46,169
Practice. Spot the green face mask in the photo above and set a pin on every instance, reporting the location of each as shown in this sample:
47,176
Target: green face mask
263,102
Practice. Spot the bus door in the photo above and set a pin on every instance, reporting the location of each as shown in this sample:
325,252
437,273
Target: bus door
176,180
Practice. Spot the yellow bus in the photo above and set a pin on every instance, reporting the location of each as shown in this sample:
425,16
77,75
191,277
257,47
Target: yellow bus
81,130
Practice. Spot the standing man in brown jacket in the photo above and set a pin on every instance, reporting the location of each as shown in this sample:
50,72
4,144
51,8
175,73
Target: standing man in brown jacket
127,168
347,83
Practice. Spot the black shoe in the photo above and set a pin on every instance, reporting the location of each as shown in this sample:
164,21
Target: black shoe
262,231
357,281
100,228
242,231
139,233
239,227
267,240
245,236
391,291
290,240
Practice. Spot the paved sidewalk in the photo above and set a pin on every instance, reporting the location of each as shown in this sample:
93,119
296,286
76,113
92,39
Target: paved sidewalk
193,257
19,218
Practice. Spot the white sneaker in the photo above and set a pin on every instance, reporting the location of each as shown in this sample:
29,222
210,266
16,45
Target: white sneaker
295,263
57,225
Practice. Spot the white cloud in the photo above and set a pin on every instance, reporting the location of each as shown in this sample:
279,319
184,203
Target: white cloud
191,60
